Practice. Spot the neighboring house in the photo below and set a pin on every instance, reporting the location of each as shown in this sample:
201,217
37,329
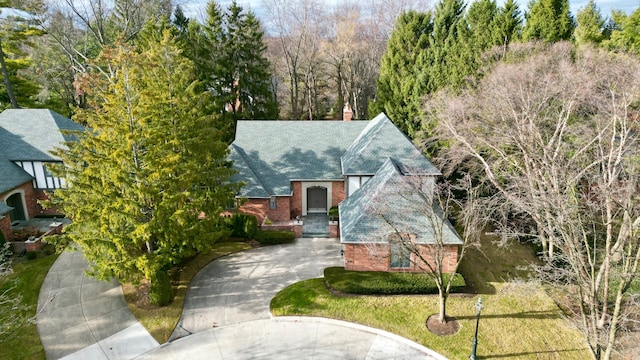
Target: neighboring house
27,137
295,168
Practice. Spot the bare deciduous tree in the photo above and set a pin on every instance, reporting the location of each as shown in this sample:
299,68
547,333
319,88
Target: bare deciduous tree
415,227
556,133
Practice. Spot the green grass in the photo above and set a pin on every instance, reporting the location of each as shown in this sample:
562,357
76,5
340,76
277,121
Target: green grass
24,342
519,320
160,321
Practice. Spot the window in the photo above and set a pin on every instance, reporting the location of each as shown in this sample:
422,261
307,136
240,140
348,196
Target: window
400,256
273,204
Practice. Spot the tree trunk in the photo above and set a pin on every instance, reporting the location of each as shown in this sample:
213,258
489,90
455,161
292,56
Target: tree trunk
7,83
442,306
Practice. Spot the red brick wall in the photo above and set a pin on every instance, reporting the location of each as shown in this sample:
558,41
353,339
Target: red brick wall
296,199
282,212
370,257
260,209
5,227
256,207
337,194
41,196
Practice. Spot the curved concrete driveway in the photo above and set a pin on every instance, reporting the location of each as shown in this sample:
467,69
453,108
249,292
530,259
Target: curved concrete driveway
83,318
239,287
293,338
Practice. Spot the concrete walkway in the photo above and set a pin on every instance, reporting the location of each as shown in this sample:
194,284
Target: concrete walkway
86,317
226,314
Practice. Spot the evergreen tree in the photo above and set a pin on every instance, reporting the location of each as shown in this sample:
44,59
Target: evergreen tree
590,24
625,35
548,20
228,52
149,176
450,57
16,37
508,23
399,93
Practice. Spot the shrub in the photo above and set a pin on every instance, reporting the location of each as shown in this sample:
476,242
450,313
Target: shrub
275,237
387,283
2,238
333,213
161,291
243,225
30,255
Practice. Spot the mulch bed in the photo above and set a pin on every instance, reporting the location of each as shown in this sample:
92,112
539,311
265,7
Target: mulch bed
450,327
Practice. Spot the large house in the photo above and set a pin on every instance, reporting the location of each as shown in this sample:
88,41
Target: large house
27,138
295,168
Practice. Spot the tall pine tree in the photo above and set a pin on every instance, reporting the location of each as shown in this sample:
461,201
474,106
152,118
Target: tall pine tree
228,52
590,25
548,20
149,166
399,92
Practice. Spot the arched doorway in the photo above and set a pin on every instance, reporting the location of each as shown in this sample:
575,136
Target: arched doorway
15,201
316,199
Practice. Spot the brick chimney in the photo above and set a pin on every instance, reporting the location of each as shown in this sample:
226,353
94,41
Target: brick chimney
347,113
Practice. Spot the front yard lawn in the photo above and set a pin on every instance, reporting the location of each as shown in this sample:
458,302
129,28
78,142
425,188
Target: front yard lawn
519,320
23,341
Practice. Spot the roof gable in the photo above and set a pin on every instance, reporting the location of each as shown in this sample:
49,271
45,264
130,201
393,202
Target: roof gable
29,135
275,152
380,140
390,200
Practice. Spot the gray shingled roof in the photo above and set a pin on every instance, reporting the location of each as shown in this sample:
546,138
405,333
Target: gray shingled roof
4,208
380,140
269,154
390,194
29,135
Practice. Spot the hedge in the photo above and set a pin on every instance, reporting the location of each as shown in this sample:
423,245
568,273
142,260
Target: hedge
385,283
242,225
271,237
161,291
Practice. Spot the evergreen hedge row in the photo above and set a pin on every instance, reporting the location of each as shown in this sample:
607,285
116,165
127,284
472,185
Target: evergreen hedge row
275,237
385,283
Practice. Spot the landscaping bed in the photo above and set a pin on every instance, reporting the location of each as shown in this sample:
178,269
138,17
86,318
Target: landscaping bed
385,283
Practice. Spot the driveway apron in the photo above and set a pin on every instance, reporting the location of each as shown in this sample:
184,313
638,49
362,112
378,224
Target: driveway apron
239,287
84,318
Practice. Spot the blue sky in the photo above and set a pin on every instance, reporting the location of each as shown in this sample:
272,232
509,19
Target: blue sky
195,7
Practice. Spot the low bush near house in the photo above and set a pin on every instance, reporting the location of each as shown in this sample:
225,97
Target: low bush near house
243,226
30,255
275,237
385,283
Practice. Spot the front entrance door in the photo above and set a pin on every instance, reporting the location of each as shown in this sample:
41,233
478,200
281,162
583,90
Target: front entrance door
317,199
15,201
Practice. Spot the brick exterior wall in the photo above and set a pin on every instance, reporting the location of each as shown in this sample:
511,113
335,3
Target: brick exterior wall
256,207
337,194
296,198
41,196
261,210
369,257
5,227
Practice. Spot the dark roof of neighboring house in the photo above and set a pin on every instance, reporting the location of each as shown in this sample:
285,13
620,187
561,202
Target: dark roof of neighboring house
269,154
390,197
380,140
29,135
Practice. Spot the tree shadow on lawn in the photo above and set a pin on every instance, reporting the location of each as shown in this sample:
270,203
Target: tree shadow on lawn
491,263
541,315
